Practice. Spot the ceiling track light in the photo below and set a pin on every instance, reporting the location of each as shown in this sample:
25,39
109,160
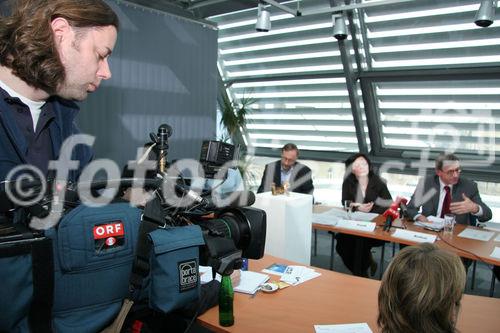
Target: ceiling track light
486,13
339,27
263,23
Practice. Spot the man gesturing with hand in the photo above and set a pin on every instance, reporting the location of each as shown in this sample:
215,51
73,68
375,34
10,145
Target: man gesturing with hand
447,192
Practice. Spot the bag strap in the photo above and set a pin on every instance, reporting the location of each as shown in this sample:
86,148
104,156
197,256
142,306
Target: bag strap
18,240
152,219
117,324
40,312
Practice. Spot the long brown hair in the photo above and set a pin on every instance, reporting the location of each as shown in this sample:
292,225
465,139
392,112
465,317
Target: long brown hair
421,291
27,43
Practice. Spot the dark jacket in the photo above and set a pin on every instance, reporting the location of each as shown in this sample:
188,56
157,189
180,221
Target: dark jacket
300,179
376,191
426,195
355,251
13,145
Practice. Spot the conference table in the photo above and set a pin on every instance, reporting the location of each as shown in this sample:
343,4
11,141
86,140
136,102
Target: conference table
332,298
464,247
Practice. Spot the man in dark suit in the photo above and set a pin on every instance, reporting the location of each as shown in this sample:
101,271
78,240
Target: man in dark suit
445,192
297,175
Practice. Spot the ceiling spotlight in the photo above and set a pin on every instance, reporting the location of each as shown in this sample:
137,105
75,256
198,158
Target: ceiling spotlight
486,13
339,28
263,19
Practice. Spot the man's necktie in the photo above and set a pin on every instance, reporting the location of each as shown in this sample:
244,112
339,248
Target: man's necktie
446,202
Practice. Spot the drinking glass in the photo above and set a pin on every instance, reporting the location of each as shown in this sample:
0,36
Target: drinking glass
449,223
348,208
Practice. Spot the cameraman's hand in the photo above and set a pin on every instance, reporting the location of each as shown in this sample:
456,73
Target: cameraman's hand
235,277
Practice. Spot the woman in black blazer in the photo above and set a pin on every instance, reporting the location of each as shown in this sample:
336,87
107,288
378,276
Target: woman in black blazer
367,193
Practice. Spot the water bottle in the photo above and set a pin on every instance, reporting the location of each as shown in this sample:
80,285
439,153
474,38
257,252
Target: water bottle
226,297
244,264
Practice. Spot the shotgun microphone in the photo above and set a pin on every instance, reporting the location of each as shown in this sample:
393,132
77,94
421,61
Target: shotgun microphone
161,141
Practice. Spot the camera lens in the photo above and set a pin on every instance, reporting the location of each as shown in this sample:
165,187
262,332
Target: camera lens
245,226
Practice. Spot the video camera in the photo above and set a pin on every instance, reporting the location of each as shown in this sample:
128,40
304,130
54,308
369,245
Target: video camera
231,229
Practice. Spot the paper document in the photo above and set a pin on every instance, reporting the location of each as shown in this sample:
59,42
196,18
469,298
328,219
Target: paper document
361,216
330,217
250,282
493,226
334,215
295,275
325,218
435,223
496,253
476,234
344,328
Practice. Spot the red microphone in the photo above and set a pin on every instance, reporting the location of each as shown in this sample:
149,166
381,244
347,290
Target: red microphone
391,214
403,210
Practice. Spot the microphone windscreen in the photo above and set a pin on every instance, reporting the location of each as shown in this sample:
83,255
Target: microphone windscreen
165,129
392,212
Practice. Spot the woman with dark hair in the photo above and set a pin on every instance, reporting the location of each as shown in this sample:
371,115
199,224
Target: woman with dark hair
421,291
367,193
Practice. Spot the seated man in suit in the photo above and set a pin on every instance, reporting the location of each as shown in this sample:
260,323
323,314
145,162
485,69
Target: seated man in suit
297,175
446,192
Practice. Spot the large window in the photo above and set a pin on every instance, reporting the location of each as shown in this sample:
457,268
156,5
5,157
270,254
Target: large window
460,115
432,82
294,73
426,77
430,34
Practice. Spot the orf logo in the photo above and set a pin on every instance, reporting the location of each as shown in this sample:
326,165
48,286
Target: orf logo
108,236
108,230
188,275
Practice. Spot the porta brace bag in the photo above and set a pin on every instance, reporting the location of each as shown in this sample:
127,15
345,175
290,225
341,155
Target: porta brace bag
94,249
174,267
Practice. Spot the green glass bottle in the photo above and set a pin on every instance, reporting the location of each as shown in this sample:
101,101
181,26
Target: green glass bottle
226,297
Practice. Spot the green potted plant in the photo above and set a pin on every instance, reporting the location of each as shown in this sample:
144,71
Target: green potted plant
233,119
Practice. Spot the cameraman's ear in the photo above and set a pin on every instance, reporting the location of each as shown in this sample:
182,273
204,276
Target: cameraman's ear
61,29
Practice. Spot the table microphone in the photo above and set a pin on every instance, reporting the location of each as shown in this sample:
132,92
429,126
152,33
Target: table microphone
403,209
390,215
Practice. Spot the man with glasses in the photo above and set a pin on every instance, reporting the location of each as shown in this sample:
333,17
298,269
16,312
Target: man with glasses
446,192
288,170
